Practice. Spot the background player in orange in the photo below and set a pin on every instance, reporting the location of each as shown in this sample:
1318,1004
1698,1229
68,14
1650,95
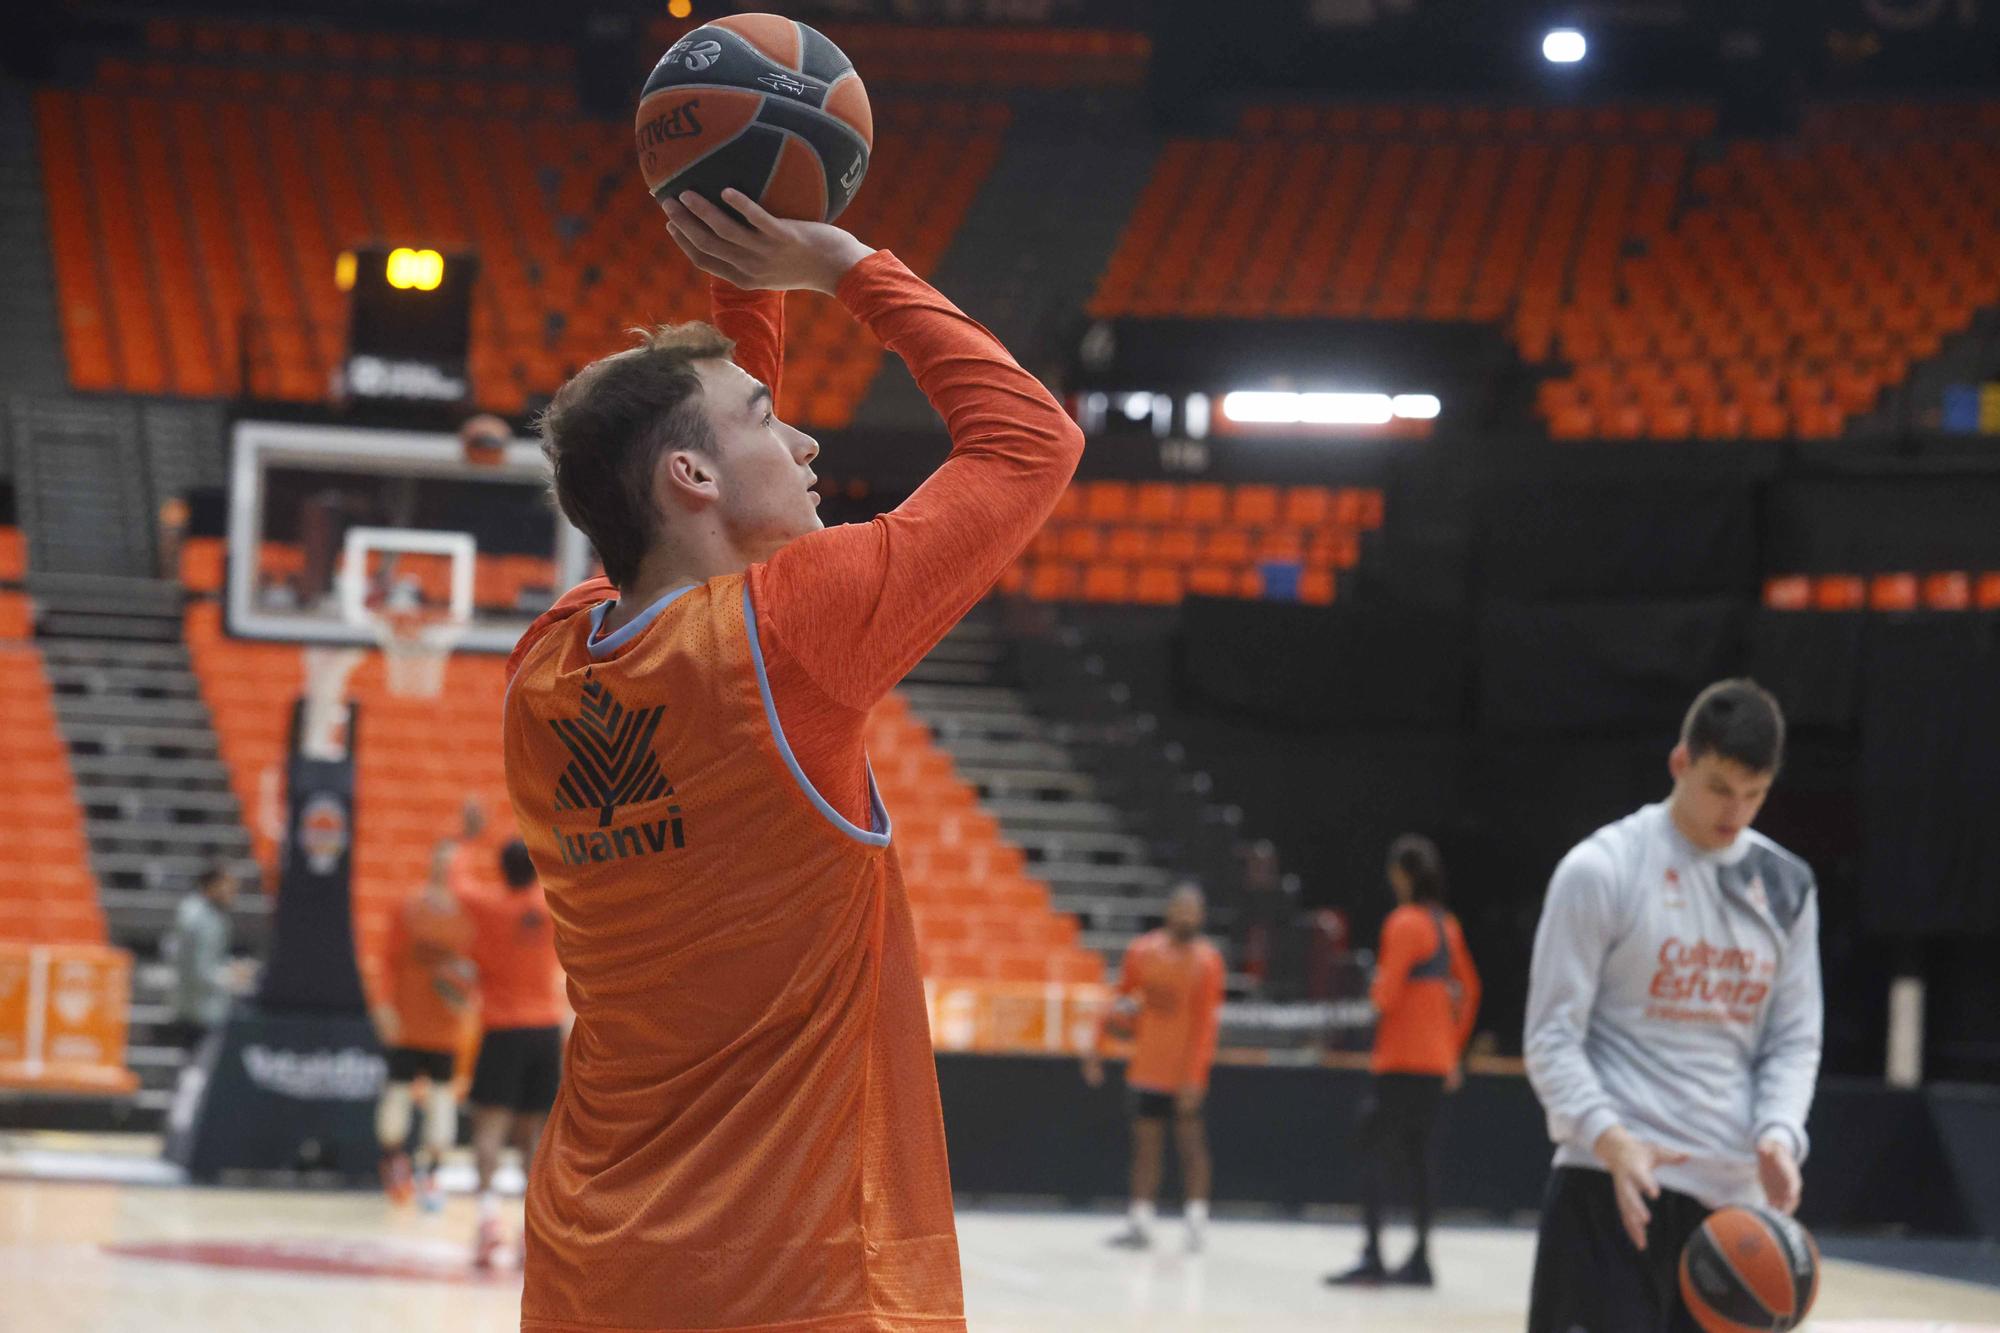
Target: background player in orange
749,1134
421,1019
1170,991
521,1012
1426,996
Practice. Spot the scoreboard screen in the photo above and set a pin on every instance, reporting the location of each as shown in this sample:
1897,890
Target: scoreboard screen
409,323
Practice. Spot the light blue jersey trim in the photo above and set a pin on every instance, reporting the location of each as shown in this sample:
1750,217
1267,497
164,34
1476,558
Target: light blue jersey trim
878,836
630,630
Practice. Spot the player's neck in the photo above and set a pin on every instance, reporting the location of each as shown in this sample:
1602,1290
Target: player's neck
665,568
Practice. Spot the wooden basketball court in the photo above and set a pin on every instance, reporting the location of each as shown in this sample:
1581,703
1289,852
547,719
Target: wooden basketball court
112,1251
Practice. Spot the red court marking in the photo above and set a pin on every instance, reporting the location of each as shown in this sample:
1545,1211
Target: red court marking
1896,1326
322,1258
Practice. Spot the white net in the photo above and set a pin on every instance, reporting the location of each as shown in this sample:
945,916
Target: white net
416,645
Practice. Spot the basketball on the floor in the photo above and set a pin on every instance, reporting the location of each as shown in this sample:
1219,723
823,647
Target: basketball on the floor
761,104
1749,1269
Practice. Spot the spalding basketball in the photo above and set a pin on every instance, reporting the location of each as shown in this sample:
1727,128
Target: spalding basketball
762,104
1749,1268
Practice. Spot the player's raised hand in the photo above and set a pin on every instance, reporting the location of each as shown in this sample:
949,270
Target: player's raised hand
1093,1071
1632,1162
1778,1173
760,251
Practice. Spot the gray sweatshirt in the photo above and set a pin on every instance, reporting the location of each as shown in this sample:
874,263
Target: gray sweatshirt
1676,992
199,951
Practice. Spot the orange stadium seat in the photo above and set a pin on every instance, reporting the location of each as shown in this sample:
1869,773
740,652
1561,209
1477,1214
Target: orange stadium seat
1585,229
1215,547
338,157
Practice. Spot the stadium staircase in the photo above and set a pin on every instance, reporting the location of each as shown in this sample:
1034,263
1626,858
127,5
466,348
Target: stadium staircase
30,338
1032,775
155,798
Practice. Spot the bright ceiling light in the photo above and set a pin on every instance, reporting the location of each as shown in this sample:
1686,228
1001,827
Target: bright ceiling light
1564,46
1263,407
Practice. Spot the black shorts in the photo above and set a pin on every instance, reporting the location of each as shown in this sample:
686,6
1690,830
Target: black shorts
1589,1279
406,1065
518,1069
1147,1104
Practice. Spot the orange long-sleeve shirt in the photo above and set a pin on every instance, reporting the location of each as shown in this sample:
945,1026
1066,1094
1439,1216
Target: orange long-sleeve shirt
748,1134
843,614
1427,1004
1177,991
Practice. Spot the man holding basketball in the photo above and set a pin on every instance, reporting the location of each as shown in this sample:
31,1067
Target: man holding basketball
1673,1026
748,1134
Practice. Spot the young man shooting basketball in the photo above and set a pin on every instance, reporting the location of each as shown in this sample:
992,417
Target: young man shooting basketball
748,1134
1673,1026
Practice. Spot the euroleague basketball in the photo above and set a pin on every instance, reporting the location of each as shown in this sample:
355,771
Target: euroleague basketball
1749,1268
762,104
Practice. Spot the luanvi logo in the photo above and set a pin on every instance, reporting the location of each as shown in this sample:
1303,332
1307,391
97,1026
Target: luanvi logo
612,763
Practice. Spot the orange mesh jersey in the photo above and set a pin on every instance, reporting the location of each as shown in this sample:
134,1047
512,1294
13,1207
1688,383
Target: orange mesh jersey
430,981
513,947
748,1134
1178,990
1426,992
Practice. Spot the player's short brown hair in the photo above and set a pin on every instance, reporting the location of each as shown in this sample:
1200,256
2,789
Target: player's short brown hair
1739,720
604,432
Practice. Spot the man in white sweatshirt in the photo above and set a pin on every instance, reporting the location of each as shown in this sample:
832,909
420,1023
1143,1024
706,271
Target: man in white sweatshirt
1673,1028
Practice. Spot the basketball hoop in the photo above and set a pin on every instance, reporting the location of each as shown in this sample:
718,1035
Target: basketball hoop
416,644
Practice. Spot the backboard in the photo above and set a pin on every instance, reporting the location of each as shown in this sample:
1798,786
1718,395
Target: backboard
298,490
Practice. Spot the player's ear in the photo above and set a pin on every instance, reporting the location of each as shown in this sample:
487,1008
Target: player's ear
688,477
1679,761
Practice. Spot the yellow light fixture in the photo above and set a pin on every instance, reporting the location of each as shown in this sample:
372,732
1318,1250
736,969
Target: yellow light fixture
415,270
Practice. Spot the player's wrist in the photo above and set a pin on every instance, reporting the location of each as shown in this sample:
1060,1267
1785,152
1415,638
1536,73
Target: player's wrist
838,255
1613,1146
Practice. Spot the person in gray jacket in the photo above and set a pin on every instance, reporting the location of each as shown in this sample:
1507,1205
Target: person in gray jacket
1673,1026
198,949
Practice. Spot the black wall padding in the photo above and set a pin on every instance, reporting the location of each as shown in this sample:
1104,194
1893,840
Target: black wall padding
1592,666
1662,539
1883,525
1930,775
1812,662
1023,1125
1318,667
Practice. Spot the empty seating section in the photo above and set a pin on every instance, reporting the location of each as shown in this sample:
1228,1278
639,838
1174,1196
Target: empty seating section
47,893
1938,590
1672,285
909,55
262,153
979,915
1395,212
1800,278
421,759
1157,542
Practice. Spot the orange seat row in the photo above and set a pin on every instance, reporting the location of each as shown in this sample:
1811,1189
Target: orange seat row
1942,590
271,173
47,891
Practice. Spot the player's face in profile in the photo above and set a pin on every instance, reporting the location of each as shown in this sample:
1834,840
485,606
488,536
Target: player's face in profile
1718,797
764,466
